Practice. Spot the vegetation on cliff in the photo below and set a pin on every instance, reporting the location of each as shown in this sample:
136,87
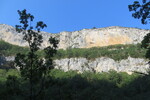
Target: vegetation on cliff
59,85
116,52
8,49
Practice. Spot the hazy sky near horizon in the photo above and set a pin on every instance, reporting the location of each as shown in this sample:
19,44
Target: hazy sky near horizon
71,15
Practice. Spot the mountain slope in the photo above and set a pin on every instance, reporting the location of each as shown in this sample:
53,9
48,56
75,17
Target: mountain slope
121,58
85,38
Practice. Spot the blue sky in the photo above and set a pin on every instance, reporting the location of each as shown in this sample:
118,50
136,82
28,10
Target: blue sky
71,15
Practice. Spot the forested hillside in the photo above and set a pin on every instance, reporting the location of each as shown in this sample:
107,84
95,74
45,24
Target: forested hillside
81,63
73,86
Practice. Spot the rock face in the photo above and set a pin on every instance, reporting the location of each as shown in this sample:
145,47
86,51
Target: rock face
9,34
103,64
85,38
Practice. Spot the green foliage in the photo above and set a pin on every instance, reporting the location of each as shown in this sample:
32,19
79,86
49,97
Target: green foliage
73,86
5,73
33,68
8,49
141,10
146,45
116,52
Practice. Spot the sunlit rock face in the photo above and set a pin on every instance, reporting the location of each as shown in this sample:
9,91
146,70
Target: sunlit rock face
9,34
103,64
85,38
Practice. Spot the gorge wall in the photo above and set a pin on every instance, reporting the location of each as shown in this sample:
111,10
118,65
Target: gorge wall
102,64
85,38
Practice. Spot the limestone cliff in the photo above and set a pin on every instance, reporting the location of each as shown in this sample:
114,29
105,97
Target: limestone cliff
102,64
85,38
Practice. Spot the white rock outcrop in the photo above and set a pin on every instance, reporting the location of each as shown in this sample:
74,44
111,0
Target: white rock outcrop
103,64
85,38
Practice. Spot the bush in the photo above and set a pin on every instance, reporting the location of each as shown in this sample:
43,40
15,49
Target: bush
8,49
87,86
116,52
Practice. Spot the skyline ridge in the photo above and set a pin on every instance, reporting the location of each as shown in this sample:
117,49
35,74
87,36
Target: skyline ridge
86,28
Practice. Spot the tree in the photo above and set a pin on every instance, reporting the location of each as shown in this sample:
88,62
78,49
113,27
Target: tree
33,68
142,11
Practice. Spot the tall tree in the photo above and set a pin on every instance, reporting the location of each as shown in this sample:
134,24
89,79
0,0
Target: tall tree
33,68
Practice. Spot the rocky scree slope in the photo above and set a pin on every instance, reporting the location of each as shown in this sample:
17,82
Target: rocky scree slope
85,38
